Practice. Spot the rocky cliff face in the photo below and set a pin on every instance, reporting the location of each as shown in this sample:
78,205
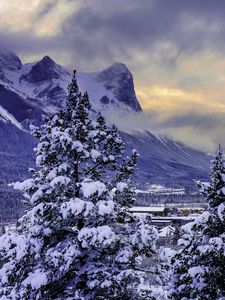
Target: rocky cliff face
9,61
120,80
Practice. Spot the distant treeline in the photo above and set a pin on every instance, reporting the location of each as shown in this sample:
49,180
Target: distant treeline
10,204
147,199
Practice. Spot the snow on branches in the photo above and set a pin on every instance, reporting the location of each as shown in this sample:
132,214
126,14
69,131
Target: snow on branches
198,267
77,239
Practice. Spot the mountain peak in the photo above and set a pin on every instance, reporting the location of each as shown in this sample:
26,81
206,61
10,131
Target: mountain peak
10,61
119,67
44,70
119,79
47,61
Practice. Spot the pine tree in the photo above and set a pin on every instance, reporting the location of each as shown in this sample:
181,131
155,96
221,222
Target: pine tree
198,267
2,229
77,239
176,235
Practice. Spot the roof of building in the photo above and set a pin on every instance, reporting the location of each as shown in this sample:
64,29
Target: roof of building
149,209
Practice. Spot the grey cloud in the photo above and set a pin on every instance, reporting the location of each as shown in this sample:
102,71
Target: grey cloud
198,130
102,32
198,120
206,131
45,9
25,43
114,26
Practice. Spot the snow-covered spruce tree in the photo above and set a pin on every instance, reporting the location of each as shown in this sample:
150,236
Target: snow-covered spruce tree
199,266
176,235
77,239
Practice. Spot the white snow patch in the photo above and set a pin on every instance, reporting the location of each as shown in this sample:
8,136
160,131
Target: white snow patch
166,231
36,279
121,186
76,206
95,154
60,180
51,175
221,211
78,146
194,271
100,236
25,185
223,190
10,118
38,194
91,187
105,207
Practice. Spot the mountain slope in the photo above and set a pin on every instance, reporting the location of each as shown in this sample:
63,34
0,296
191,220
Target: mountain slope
27,91
166,162
18,107
16,155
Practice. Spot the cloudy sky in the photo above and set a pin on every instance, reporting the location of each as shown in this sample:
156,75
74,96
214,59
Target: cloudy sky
174,48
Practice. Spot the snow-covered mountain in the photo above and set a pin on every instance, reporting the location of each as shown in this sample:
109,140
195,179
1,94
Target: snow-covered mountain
45,83
27,91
